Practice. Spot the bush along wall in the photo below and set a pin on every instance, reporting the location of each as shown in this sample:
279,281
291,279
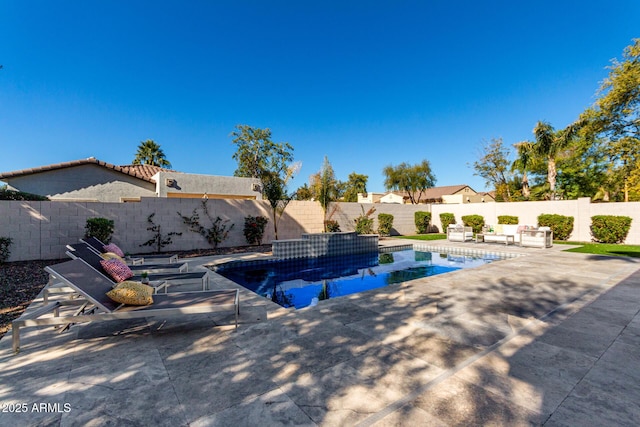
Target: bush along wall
562,226
422,220
609,228
100,228
5,252
474,221
507,219
385,223
447,219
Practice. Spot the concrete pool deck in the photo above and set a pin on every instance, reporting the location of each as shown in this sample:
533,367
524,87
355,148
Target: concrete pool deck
549,338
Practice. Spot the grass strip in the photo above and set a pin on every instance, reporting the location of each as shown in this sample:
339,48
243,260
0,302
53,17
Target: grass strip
431,236
603,249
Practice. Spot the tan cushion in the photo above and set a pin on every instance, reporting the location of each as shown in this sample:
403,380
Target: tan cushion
111,255
132,293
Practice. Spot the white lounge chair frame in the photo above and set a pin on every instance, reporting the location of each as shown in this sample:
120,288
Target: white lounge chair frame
95,306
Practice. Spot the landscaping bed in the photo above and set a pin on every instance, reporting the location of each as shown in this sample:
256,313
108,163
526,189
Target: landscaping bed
21,282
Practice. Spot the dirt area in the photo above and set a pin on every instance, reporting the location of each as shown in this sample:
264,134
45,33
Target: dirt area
21,282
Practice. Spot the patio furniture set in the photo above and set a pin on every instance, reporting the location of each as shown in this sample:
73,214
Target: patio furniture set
509,234
102,288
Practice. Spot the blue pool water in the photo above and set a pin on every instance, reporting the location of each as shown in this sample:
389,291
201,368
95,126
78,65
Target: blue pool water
302,282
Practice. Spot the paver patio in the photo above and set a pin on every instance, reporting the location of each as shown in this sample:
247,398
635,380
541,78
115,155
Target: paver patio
546,338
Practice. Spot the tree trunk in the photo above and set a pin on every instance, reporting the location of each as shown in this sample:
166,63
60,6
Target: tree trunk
526,192
551,177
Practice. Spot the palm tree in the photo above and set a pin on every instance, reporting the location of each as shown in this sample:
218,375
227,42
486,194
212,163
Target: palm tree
549,144
150,153
525,152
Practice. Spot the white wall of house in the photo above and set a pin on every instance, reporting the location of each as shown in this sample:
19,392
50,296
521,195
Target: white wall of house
176,184
392,198
89,182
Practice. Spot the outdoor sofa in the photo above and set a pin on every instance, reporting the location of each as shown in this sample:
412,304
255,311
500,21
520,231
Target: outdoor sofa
459,233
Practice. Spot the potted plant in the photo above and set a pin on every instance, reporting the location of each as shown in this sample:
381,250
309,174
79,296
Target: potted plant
145,277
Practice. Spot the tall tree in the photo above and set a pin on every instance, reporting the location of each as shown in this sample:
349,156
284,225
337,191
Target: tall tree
270,162
257,155
150,153
493,165
356,183
549,143
413,180
522,163
303,193
325,187
615,116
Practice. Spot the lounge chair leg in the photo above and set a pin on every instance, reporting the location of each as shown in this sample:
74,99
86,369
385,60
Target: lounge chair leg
15,331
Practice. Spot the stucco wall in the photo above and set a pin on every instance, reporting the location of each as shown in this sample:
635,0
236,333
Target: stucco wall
85,182
188,183
527,212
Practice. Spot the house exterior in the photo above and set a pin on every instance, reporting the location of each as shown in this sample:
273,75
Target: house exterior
92,180
445,194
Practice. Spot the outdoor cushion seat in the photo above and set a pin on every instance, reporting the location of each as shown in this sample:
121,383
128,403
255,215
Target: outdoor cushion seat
99,247
82,251
459,233
95,305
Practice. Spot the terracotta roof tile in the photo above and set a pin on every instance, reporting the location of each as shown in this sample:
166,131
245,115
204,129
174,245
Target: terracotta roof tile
144,172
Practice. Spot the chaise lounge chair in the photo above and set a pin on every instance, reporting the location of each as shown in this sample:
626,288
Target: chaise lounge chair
97,306
174,267
98,246
80,250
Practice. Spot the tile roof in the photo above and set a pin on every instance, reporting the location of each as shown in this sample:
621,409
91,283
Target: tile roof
144,172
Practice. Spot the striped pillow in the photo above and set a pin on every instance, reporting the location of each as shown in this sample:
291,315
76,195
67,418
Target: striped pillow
112,247
116,269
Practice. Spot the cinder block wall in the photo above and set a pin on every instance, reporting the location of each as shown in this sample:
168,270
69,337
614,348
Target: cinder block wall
403,215
41,230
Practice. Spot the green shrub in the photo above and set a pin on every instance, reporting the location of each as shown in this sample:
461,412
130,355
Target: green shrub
447,219
507,219
422,220
5,252
100,228
364,223
20,195
609,228
254,229
385,223
332,226
476,222
562,226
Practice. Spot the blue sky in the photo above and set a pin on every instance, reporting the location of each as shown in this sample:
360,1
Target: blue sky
366,83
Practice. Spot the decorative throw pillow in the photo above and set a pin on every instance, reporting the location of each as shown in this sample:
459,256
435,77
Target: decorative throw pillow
112,247
111,255
132,293
116,269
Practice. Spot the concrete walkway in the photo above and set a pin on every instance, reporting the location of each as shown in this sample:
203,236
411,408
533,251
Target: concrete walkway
548,338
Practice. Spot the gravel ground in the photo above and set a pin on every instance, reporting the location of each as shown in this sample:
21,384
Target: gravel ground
21,282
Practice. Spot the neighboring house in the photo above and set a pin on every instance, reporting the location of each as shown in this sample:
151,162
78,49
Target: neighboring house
94,180
370,197
445,194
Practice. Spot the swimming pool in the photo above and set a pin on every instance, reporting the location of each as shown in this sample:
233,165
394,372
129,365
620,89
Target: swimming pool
305,281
